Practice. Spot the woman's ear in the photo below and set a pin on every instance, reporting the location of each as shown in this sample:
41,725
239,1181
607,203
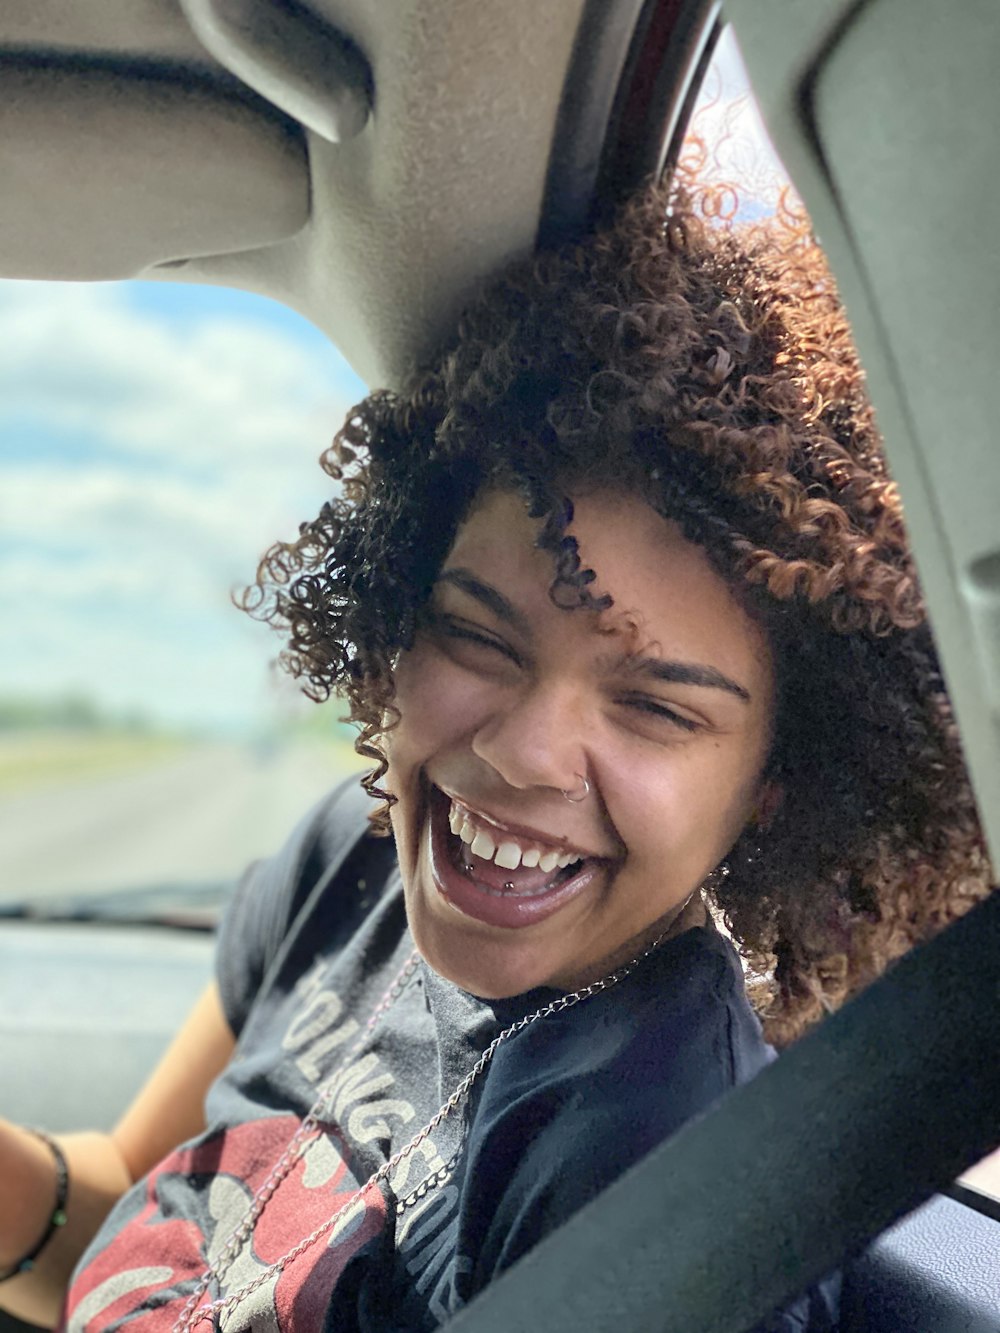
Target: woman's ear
767,805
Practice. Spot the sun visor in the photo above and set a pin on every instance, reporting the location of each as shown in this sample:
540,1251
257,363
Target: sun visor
108,169
132,146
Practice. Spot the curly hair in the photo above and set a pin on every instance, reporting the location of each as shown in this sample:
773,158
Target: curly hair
712,372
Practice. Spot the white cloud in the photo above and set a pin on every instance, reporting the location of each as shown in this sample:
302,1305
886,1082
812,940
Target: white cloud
78,357
148,466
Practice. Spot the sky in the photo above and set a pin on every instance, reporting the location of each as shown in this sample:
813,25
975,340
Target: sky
154,439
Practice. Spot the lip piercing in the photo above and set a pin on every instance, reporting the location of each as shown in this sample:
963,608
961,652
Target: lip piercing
581,792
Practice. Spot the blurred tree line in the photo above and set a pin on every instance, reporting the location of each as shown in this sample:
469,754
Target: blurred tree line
68,712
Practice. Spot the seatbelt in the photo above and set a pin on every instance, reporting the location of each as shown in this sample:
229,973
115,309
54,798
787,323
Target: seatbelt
733,1217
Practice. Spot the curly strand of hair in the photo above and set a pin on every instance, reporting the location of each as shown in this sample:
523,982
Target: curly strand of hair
569,585
685,494
367,745
886,601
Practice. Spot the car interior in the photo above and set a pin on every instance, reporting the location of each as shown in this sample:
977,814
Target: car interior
369,166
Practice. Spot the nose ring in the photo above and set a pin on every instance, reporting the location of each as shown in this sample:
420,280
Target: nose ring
581,792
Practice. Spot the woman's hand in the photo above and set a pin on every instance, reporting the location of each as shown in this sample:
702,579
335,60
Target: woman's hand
98,1178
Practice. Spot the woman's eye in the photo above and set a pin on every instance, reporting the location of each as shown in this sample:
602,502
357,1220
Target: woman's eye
456,629
654,708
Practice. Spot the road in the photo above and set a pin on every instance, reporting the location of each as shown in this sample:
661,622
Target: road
196,817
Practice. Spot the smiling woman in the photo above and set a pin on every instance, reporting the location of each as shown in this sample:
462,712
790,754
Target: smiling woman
621,600
674,416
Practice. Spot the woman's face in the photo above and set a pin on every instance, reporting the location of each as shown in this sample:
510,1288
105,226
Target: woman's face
663,703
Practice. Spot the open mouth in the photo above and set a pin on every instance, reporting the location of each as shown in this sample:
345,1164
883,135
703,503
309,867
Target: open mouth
497,877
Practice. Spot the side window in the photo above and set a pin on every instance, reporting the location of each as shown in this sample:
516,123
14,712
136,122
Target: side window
154,438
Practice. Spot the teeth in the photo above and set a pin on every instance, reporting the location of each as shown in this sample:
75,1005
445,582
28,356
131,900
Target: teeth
483,846
508,856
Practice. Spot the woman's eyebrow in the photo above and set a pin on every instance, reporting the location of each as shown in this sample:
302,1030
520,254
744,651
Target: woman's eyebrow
488,596
685,673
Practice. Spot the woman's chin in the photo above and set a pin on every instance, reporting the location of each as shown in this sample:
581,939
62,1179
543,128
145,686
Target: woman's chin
492,969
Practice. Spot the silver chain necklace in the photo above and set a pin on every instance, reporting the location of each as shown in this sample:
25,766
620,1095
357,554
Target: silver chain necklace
310,1129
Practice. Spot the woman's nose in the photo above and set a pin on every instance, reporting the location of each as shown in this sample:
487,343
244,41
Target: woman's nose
535,739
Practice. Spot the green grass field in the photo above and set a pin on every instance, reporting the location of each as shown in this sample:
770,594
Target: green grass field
33,758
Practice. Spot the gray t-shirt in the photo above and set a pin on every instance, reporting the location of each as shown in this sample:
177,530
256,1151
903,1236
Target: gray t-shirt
311,943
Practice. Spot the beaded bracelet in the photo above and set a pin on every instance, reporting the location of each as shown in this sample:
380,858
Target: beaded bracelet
58,1218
